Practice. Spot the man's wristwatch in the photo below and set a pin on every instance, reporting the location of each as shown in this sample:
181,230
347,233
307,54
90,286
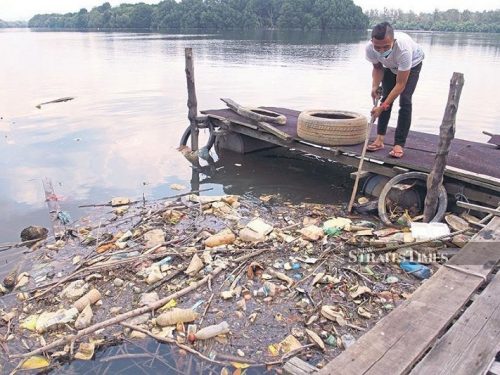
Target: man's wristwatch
385,106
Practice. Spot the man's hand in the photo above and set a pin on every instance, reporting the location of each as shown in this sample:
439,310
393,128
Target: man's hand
377,111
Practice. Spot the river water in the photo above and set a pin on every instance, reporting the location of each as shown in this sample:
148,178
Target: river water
119,135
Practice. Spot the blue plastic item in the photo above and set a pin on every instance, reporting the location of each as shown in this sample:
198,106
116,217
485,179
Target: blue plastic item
416,269
64,217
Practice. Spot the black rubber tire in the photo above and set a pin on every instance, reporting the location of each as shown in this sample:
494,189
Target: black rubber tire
442,199
332,128
187,134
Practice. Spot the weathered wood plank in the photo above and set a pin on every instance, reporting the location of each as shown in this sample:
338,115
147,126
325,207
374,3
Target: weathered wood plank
475,207
446,134
469,345
400,339
256,114
494,369
296,366
192,102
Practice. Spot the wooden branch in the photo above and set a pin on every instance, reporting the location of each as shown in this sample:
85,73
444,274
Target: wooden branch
360,166
447,133
192,101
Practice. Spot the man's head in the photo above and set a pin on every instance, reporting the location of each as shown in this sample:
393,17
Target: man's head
382,37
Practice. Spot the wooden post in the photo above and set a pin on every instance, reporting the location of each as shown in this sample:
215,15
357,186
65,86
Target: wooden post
446,134
192,102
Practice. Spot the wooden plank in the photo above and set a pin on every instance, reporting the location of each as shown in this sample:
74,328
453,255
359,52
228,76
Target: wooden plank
446,134
362,174
192,102
227,123
274,131
494,369
296,366
467,348
475,207
476,176
400,339
257,114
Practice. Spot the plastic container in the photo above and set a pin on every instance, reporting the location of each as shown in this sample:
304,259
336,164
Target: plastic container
416,269
212,331
428,231
88,299
175,316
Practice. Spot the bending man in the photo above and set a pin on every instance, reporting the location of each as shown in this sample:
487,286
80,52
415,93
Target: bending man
397,61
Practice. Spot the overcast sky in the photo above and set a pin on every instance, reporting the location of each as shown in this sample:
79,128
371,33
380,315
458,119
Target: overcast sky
11,10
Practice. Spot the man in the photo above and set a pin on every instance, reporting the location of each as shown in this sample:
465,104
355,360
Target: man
397,61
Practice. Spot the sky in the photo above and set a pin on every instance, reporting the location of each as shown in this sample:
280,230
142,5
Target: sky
12,10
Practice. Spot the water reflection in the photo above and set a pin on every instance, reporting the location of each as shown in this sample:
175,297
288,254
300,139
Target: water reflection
119,135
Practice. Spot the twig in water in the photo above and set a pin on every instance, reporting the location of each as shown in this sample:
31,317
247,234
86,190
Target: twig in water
359,274
206,308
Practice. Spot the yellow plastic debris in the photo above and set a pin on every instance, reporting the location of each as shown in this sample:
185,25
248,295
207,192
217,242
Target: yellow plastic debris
35,362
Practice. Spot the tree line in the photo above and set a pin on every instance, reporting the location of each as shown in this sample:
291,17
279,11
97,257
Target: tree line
449,20
213,14
5,24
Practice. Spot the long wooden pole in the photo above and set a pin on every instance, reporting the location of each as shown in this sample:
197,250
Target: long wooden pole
192,101
446,135
360,166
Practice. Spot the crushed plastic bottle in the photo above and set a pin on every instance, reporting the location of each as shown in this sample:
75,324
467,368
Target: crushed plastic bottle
416,269
212,331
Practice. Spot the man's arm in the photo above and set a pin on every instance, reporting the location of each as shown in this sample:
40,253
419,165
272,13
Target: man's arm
401,79
377,76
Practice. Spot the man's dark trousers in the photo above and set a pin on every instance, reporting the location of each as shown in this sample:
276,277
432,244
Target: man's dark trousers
405,105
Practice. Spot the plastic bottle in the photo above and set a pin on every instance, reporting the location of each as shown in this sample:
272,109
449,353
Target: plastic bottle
175,316
88,299
56,319
212,331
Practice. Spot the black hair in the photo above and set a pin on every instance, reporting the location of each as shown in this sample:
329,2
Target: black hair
382,30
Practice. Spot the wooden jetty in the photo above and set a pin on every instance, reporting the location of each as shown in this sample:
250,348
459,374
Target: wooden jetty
472,170
451,324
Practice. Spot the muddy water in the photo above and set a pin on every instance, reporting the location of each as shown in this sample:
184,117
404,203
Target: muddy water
119,135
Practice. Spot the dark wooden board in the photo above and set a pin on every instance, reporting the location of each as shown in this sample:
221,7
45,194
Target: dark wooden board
472,341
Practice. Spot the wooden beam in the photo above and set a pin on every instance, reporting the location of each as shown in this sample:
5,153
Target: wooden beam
362,174
327,153
192,102
474,176
296,366
472,341
256,114
475,207
446,135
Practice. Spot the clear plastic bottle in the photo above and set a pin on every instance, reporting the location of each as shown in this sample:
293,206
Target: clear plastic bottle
212,331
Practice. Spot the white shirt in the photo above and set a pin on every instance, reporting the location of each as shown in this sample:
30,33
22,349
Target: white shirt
405,54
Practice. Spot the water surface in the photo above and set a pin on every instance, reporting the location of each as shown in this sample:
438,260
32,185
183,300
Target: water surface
119,135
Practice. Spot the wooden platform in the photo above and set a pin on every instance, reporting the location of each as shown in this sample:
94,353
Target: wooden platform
472,163
398,344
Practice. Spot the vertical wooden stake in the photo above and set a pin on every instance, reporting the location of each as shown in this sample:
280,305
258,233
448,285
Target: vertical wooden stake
192,102
446,135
